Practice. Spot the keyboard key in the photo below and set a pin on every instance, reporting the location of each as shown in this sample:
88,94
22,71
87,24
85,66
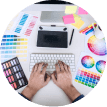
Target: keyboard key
54,55
31,58
32,61
32,55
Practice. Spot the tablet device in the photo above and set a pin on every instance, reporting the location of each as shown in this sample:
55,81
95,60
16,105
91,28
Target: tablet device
52,36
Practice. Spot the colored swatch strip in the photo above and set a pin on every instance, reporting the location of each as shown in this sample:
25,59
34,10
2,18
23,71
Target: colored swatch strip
87,78
21,23
31,26
88,29
13,46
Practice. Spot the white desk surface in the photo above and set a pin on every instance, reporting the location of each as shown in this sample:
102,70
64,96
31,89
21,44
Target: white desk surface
51,95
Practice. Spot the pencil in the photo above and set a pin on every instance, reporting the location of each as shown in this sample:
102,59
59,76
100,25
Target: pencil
71,37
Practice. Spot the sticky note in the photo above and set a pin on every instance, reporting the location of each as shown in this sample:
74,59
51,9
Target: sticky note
76,18
70,9
68,19
82,11
79,24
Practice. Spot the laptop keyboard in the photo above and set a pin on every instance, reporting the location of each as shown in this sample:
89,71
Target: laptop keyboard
52,59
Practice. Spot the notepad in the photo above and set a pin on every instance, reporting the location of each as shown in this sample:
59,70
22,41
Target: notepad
76,18
82,11
78,24
68,19
70,9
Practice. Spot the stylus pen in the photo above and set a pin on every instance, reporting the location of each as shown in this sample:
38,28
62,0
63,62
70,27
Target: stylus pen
71,37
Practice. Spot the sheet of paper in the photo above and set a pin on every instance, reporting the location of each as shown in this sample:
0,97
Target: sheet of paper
76,18
22,25
90,62
94,45
78,24
70,9
81,11
68,19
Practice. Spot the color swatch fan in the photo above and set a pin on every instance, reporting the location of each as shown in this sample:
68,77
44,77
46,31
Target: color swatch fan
100,66
87,61
97,46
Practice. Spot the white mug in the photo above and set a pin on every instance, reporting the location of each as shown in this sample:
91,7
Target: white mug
98,32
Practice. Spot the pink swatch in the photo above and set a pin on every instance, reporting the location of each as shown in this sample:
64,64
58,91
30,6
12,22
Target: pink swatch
68,19
82,11
31,26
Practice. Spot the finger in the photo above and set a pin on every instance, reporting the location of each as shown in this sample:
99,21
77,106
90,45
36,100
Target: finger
61,65
47,80
32,70
69,70
40,67
57,68
53,78
44,69
36,67
65,67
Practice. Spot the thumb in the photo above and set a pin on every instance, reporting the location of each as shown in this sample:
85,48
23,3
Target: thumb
53,78
47,80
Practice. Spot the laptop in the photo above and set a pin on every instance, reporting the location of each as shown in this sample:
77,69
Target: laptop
52,16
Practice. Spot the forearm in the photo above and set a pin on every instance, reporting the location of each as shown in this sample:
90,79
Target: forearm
72,93
28,93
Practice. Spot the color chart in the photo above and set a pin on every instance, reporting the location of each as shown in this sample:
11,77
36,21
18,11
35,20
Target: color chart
95,46
23,24
92,62
87,77
100,66
87,61
12,46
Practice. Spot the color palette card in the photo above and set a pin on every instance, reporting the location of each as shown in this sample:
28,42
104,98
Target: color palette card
12,46
89,70
95,46
92,62
23,24
87,77
14,73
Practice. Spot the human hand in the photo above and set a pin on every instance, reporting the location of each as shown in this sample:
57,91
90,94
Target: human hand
64,77
37,80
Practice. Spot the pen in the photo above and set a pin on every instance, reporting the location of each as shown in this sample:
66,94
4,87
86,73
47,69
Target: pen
71,37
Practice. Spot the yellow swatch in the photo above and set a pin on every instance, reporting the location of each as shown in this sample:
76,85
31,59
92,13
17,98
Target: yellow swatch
76,18
25,39
18,47
25,51
21,47
70,9
22,43
25,43
79,24
21,51
25,47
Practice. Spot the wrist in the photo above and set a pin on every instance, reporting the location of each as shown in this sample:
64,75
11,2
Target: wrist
28,92
72,93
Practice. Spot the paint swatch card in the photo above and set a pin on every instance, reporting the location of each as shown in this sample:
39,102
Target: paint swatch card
23,24
12,46
89,69
92,62
95,46
14,73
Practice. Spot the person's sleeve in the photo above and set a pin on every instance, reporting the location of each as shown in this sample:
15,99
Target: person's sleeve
24,96
78,98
